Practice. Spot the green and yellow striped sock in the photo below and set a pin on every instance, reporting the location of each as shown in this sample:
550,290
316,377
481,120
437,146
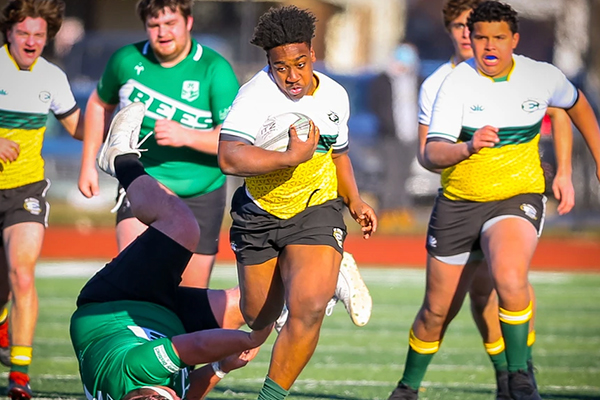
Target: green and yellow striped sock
420,354
515,329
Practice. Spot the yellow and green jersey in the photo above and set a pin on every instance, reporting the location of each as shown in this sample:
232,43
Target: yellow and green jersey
197,93
286,192
26,99
516,105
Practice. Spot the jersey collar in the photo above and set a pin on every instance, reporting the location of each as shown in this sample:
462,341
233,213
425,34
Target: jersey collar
505,78
11,58
196,51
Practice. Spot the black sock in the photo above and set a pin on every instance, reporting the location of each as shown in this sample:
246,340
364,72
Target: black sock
128,168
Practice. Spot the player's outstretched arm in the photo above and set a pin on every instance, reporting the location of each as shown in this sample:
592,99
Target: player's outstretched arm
215,344
171,133
347,188
241,159
204,379
562,185
96,114
585,120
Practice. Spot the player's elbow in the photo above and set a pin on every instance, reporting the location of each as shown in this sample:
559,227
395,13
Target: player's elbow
227,167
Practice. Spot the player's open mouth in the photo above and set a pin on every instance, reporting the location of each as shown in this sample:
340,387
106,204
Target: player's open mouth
490,60
29,51
295,90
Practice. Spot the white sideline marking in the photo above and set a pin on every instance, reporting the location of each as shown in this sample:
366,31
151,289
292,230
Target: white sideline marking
314,382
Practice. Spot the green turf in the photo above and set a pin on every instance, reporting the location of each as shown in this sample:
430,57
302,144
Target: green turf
365,363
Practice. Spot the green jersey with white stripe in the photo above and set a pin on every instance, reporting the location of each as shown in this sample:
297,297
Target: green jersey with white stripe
126,345
197,93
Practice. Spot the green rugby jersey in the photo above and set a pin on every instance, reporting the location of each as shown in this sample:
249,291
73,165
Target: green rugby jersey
125,345
197,93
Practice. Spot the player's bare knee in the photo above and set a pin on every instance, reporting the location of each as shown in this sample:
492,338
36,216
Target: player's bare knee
433,316
21,281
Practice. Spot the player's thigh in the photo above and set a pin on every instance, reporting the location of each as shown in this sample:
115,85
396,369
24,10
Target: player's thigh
446,287
24,212
482,285
453,230
509,237
309,274
261,291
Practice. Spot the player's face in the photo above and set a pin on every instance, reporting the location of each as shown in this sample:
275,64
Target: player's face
493,44
459,34
169,35
27,40
292,68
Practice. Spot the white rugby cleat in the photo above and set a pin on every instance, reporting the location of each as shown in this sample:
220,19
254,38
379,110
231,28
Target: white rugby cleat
353,292
122,136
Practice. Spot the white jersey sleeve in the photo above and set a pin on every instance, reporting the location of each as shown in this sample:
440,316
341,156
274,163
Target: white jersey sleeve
447,111
429,90
63,101
246,115
563,93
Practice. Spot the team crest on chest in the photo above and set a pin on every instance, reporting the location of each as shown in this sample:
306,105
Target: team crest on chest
190,90
45,96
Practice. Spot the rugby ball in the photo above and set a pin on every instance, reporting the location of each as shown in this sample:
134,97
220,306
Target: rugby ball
274,133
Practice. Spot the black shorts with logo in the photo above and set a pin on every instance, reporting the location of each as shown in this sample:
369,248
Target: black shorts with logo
257,236
208,210
149,270
25,203
455,227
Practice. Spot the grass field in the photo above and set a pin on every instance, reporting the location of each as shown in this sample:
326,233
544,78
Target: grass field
365,363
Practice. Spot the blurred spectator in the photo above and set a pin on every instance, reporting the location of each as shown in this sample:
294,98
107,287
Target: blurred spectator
394,100
71,32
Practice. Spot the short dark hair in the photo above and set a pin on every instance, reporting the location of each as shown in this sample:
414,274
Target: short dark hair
284,25
494,11
453,8
51,11
152,8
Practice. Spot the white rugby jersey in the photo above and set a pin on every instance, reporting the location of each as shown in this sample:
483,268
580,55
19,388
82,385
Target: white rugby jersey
469,100
429,90
284,193
26,98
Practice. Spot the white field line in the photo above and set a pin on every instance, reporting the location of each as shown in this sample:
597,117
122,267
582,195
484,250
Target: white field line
358,383
375,276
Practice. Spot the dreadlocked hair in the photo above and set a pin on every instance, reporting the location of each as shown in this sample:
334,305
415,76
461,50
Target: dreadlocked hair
284,25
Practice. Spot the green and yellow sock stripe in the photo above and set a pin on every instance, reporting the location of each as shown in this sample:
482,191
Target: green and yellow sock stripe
516,317
421,346
496,347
